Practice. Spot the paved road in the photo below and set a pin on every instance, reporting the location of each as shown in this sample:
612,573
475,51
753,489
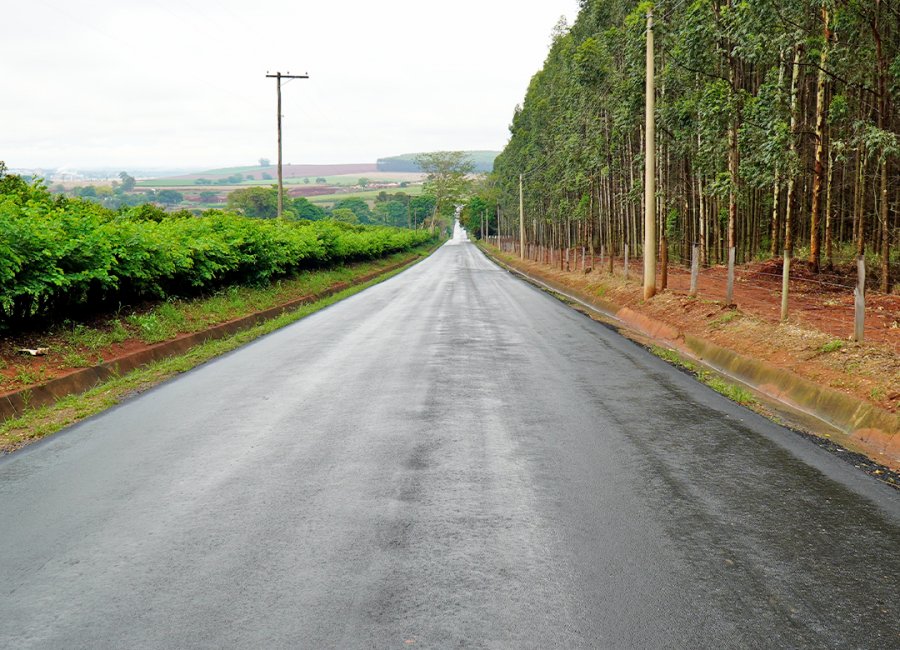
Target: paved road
451,458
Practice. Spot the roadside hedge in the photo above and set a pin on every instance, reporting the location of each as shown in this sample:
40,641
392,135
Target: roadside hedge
59,256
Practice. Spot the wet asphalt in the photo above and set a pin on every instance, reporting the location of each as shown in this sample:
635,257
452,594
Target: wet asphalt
451,458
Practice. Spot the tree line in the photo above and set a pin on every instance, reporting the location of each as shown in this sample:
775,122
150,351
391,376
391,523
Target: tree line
777,131
397,209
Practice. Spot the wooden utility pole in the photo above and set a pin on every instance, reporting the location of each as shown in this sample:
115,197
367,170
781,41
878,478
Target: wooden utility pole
650,170
278,77
521,219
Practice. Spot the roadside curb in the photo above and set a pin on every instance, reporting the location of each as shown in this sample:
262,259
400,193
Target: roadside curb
16,403
875,430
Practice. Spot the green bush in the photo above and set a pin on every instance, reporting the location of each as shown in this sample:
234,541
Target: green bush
59,256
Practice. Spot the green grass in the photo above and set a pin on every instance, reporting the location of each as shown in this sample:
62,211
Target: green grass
832,346
25,375
730,390
94,338
671,356
725,318
368,195
162,323
43,421
75,360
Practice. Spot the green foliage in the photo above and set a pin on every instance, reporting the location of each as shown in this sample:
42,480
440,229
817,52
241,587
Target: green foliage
448,179
481,208
733,392
257,202
128,182
392,213
58,255
832,346
357,206
344,215
304,209
169,197
723,69
725,318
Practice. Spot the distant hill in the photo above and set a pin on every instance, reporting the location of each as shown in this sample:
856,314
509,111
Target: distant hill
483,161
290,171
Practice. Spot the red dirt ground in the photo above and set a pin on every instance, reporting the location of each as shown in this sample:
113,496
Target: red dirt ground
823,302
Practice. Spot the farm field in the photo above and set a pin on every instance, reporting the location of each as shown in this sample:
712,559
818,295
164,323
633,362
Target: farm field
348,180
366,195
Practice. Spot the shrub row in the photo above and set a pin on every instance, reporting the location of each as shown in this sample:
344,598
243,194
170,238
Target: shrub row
60,256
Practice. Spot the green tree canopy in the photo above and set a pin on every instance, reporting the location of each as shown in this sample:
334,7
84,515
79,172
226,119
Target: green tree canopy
169,197
257,202
344,215
358,206
128,182
305,209
447,179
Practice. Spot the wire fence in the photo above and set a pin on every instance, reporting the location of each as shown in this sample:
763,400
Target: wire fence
837,305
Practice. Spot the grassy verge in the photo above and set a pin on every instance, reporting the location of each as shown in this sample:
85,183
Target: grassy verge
732,391
41,422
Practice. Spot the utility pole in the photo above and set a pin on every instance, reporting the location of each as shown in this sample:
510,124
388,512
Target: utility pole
278,77
521,220
650,171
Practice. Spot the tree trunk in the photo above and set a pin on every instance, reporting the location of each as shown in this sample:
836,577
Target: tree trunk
819,172
829,244
791,173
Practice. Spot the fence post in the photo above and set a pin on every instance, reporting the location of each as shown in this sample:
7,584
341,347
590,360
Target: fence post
663,263
859,300
582,259
626,261
729,290
785,285
695,268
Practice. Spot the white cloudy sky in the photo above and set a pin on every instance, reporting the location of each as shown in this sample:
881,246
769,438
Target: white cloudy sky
181,83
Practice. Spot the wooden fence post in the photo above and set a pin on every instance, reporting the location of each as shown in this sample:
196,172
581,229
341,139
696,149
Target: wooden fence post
785,285
626,261
663,263
859,300
729,290
695,268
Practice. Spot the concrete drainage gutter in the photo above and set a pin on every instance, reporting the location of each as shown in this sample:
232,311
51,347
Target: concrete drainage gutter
15,403
873,429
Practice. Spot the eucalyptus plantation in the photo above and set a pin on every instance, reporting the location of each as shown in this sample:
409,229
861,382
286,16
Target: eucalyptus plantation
777,130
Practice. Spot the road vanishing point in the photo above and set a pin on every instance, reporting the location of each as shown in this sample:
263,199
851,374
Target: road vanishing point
451,458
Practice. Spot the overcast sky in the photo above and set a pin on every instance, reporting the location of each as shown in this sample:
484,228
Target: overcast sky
181,83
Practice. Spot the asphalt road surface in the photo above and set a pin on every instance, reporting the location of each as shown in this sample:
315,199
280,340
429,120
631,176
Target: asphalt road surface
451,458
